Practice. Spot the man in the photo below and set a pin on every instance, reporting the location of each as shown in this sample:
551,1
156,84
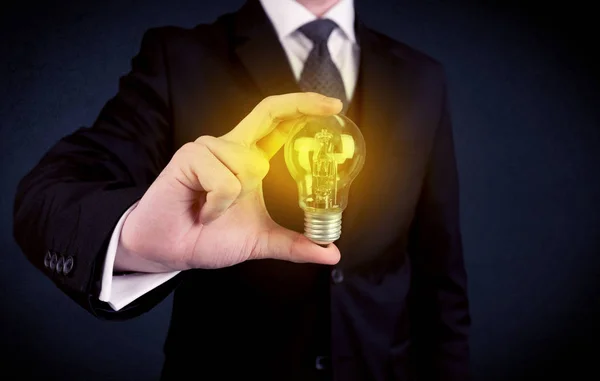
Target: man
181,184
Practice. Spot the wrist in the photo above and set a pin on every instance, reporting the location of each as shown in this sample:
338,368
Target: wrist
129,258
129,261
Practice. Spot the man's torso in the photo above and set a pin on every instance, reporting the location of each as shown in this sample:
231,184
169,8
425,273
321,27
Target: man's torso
269,318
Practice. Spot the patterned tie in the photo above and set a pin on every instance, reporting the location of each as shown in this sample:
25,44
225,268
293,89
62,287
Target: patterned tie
320,73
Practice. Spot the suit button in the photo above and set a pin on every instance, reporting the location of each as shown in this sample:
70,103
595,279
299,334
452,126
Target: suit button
47,258
322,362
337,276
68,265
53,262
60,264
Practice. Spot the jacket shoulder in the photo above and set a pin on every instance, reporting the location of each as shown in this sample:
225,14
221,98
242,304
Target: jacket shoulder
171,35
208,39
407,53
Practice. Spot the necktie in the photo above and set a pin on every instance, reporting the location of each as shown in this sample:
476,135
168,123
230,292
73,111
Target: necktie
320,73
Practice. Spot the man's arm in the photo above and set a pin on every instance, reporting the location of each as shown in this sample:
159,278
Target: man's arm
68,205
439,307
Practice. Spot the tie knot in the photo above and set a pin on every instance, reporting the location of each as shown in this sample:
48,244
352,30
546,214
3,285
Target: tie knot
318,31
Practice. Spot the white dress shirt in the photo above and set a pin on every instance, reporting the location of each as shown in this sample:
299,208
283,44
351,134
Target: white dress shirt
286,16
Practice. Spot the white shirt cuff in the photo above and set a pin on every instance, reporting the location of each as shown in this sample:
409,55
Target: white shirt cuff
120,290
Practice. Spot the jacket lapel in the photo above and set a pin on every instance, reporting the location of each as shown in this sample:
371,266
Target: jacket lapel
383,84
261,53
382,113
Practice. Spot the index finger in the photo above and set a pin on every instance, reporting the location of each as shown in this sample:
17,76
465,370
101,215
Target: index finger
277,108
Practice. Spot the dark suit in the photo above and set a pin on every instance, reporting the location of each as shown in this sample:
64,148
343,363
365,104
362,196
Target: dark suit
394,308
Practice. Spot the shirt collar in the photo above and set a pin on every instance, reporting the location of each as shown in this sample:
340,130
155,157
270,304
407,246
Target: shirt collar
289,15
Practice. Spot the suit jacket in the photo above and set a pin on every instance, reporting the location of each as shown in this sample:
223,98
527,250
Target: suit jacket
394,308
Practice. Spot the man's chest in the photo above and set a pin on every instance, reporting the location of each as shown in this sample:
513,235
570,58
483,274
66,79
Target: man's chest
210,98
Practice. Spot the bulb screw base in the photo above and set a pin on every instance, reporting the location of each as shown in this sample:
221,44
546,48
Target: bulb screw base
323,228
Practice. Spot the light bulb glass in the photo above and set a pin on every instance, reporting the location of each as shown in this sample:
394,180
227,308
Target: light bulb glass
324,155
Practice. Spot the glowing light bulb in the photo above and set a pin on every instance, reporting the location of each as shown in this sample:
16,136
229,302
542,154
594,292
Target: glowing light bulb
324,155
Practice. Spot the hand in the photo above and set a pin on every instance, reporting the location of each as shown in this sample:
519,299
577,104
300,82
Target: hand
206,208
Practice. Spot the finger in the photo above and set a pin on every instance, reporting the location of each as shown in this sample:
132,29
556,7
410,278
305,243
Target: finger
202,171
247,164
274,109
271,143
288,245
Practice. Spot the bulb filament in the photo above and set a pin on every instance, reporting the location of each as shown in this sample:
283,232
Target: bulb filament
324,171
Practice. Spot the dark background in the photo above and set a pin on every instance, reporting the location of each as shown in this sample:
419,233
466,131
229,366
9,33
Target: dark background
527,125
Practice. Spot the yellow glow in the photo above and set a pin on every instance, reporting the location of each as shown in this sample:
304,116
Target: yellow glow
324,155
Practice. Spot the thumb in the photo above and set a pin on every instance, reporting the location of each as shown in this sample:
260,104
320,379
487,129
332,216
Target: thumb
281,243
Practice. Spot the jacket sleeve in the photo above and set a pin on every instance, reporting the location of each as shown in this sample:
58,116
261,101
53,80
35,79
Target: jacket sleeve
67,206
440,317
